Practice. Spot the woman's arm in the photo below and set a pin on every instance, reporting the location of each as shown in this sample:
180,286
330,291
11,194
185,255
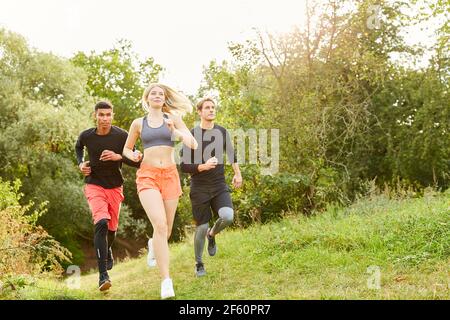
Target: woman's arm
133,135
180,130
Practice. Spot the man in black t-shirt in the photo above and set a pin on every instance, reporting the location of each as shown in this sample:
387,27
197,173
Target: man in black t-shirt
209,190
103,178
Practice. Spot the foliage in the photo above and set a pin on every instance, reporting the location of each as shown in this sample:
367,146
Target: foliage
331,255
25,248
43,107
119,76
347,111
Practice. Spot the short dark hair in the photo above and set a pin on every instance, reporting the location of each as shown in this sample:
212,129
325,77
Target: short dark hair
202,101
103,105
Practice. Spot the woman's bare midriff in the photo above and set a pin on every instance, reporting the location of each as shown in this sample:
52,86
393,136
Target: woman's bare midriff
159,156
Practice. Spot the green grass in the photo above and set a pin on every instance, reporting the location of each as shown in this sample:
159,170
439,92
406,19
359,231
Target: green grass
326,256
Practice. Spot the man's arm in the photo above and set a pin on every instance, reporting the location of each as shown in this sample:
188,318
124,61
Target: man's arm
229,150
237,179
108,155
79,151
232,158
186,163
130,162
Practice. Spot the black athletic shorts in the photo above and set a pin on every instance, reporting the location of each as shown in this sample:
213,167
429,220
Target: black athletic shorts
204,202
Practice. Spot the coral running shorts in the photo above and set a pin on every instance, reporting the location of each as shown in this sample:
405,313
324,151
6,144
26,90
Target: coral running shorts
104,203
165,180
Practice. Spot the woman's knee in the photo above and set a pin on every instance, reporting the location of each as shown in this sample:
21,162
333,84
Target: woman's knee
161,229
169,231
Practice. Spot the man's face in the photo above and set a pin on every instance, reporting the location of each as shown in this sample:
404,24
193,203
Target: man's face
208,111
104,118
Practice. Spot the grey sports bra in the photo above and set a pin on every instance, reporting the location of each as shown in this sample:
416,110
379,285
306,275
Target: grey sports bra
152,137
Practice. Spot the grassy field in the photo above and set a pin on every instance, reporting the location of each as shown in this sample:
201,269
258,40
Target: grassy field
375,249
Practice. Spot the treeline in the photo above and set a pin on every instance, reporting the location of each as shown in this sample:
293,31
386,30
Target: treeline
349,116
45,102
348,113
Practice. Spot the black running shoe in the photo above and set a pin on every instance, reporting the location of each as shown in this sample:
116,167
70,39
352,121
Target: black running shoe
212,247
104,283
110,261
200,269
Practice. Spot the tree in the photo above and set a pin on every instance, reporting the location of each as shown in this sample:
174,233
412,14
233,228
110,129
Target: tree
340,101
43,108
119,76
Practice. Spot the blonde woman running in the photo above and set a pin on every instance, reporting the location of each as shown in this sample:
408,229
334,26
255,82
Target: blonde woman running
158,182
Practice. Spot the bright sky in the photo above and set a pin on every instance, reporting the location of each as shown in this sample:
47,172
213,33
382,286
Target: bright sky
182,36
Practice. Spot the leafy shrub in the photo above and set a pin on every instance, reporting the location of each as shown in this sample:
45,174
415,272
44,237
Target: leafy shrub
25,247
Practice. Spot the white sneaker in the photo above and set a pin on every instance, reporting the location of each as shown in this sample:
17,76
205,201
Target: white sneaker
151,261
167,289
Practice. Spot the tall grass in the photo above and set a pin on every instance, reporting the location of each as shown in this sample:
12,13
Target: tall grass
381,247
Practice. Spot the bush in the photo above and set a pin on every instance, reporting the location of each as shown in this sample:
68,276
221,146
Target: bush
25,247
130,227
265,198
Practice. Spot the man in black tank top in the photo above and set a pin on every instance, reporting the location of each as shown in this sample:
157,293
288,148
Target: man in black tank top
209,191
103,178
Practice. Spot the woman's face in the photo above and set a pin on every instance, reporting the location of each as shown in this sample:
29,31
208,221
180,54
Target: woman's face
156,97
